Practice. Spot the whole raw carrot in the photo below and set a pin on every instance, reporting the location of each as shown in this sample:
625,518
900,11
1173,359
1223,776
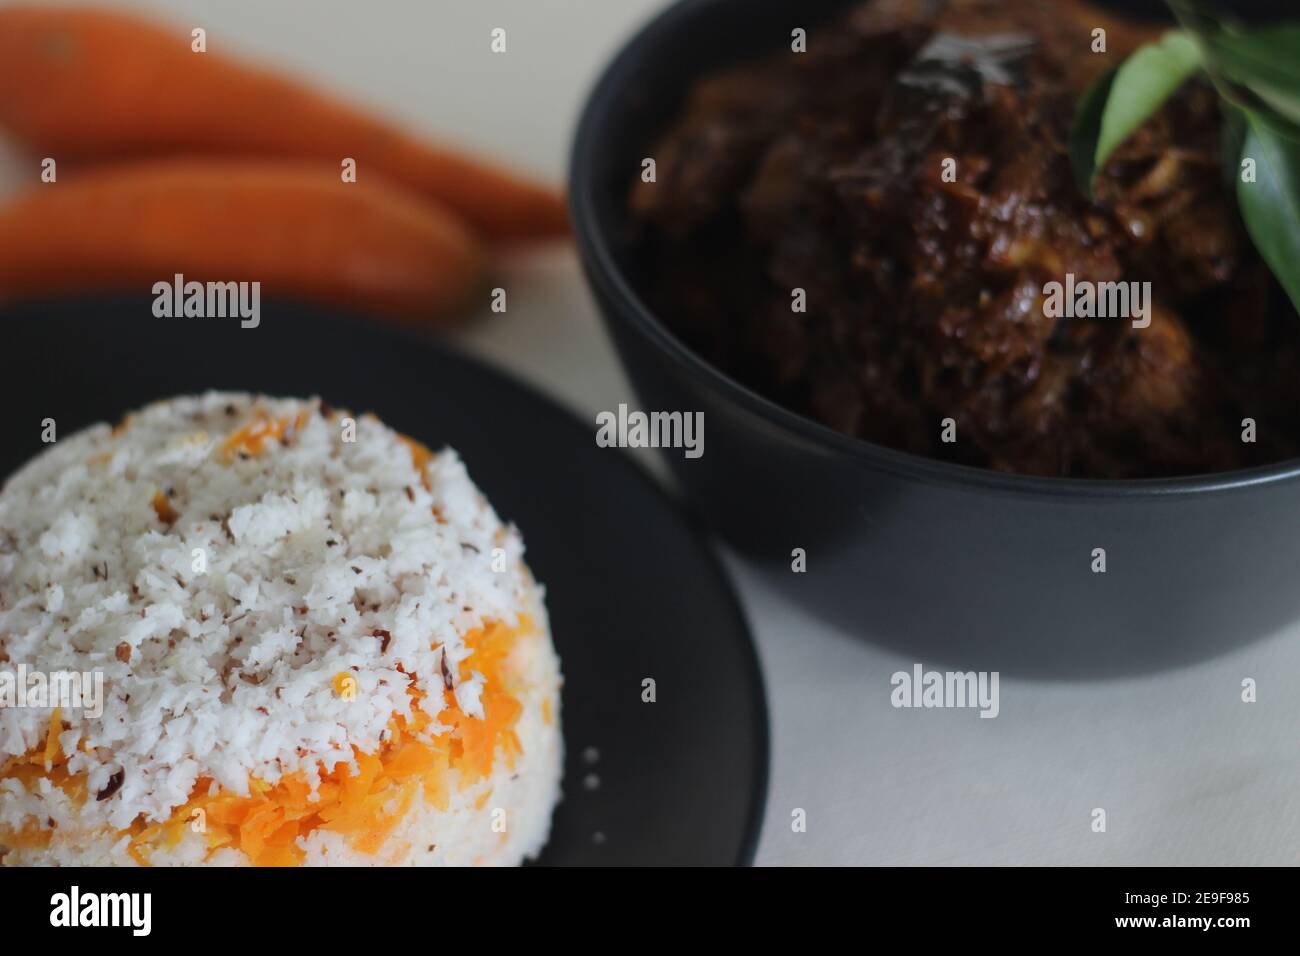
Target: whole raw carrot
293,227
88,84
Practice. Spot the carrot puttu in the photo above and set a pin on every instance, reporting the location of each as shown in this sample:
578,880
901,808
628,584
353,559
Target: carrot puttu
319,645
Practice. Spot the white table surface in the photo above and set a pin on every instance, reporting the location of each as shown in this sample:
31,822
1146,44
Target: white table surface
1187,772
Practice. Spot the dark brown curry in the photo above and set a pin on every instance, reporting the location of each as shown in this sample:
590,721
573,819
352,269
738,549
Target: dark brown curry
908,175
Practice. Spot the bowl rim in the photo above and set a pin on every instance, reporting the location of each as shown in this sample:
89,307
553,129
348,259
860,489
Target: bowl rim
606,276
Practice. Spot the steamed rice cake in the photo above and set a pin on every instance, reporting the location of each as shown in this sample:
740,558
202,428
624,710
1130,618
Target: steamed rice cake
319,645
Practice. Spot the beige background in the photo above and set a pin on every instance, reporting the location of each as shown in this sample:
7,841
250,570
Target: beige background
1187,773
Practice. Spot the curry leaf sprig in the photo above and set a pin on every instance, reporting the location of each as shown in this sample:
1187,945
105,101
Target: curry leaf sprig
1256,72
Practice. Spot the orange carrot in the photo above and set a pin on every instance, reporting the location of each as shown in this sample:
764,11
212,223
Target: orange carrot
293,227
89,85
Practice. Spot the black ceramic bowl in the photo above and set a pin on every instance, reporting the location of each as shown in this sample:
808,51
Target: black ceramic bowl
946,562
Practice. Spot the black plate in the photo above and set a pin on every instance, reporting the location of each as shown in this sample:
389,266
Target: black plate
633,590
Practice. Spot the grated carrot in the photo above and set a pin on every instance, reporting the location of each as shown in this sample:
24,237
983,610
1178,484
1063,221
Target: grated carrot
252,438
366,802
163,508
420,458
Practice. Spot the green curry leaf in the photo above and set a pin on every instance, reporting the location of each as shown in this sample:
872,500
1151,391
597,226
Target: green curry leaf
1086,130
1265,61
1123,99
1270,206
1254,68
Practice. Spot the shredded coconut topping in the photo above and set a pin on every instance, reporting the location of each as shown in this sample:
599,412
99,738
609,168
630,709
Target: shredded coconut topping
221,560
